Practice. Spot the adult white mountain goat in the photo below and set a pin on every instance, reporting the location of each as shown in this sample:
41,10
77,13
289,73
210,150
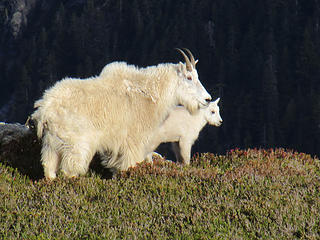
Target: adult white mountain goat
182,129
116,112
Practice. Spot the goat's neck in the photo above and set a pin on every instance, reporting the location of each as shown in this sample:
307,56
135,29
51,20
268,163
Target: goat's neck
200,119
167,88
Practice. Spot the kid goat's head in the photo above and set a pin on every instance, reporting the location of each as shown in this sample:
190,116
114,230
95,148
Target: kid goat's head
212,113
190,91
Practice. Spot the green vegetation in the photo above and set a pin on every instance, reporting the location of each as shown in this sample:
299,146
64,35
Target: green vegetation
245,194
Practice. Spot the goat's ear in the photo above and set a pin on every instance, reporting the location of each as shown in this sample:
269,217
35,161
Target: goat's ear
217,101
196,62
181,69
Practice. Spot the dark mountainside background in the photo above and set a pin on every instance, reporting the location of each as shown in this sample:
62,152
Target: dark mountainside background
261,57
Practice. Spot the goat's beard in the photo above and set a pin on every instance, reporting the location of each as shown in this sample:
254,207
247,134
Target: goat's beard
191,106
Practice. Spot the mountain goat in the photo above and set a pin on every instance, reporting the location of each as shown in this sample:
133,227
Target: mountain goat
115,112
182,129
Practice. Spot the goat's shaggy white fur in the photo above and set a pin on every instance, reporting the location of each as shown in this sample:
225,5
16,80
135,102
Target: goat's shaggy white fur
182,129
115,112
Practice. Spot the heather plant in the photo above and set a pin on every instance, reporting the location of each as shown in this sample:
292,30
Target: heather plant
244,194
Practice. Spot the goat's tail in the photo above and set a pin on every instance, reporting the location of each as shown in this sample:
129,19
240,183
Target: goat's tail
39,117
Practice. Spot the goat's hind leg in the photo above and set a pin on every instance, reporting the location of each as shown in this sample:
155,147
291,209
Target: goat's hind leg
75,160
49,157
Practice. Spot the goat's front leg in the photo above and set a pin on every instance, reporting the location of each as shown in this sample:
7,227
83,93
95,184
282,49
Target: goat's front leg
183,155
149,156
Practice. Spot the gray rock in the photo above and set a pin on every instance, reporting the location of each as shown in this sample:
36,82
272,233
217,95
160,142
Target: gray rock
20,148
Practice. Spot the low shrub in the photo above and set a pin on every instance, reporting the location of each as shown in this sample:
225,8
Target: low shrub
245,194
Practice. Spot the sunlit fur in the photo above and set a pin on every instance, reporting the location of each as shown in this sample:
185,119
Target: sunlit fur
116,112
182,129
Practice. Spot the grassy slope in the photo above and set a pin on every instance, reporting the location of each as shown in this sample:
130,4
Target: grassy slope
272,194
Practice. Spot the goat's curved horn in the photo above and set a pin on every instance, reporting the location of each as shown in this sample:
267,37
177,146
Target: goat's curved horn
188,64
193,62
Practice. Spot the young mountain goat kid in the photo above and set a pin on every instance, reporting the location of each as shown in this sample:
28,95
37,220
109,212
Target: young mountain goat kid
115,112
182,129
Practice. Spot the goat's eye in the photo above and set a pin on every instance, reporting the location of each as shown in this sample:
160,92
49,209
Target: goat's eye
189,78
213,112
